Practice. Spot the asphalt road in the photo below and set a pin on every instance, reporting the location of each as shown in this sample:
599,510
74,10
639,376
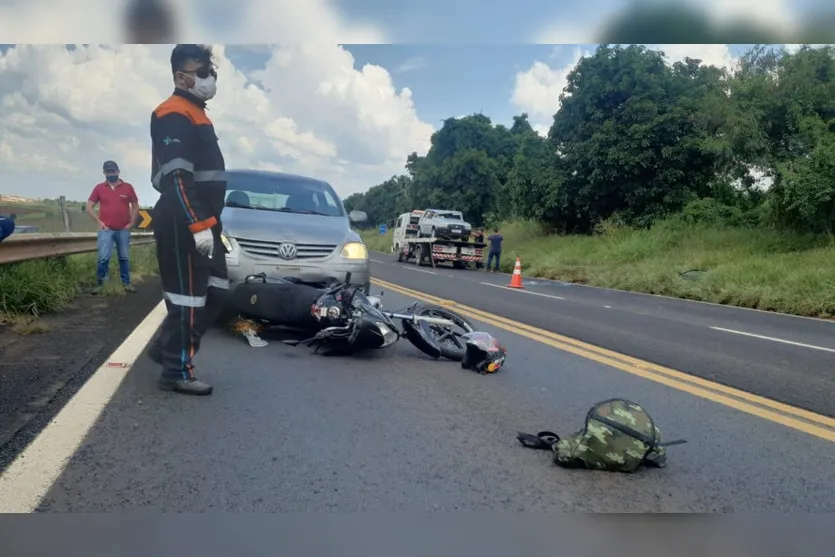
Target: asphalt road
287,430
788,359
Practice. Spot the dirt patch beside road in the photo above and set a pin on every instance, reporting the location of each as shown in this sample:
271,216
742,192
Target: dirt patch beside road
44,362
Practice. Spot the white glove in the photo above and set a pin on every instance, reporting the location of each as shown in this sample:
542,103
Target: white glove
204,241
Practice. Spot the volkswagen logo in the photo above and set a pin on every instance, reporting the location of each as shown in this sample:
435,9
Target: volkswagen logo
287,251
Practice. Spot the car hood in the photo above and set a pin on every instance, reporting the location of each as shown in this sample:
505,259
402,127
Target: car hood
273,226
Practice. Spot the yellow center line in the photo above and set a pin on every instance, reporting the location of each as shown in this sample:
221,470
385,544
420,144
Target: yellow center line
756,405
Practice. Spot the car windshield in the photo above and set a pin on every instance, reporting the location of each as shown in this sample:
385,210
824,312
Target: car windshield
453,216
289,194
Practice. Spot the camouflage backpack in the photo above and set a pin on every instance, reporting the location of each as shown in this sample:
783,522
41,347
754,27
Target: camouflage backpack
618,436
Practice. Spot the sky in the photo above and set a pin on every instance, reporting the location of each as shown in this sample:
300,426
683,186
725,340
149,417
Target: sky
346,113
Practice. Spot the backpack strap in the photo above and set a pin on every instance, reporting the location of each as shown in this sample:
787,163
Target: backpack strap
543,441
671,443
628,430
650,442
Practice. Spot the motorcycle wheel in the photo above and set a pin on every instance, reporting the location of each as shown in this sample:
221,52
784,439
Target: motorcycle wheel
447,339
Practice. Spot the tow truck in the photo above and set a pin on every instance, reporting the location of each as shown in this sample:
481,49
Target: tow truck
406,245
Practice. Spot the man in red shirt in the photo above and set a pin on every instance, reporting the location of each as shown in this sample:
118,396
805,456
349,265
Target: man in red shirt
118,207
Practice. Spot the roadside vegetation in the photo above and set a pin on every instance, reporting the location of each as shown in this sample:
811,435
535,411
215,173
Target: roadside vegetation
678,179
46,215
31,289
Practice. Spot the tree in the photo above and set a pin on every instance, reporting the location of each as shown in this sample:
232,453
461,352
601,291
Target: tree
638,139
632,132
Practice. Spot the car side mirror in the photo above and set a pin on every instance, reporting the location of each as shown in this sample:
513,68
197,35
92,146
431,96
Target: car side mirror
357,216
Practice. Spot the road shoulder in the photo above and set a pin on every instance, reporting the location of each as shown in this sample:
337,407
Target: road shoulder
44,366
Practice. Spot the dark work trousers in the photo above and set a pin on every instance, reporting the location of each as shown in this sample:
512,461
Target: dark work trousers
490,256
194,288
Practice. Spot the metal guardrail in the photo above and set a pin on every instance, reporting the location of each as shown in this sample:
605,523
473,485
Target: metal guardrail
25,247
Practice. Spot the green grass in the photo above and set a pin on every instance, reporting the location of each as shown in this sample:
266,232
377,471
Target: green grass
34,288
754,268
376,241
47,216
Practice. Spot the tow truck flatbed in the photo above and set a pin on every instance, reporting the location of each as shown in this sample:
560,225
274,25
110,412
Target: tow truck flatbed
432,251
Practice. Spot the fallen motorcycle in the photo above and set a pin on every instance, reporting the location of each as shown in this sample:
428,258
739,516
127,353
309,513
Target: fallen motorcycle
342,318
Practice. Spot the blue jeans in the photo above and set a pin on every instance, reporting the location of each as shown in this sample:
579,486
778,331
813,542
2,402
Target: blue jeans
490,256
106,240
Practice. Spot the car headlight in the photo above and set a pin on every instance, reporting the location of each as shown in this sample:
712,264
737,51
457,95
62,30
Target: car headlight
354,250
226,243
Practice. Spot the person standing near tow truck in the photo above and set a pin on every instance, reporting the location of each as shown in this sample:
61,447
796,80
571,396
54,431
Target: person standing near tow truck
189,173
478,238
495,240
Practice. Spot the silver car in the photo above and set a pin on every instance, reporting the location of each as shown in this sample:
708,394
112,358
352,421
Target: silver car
444,224
290,226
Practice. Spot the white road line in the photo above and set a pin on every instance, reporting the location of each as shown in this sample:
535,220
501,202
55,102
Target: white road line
523,291
30,477
784,341
421,270
375,261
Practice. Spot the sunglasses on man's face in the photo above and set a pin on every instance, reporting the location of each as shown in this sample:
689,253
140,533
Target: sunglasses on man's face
202,73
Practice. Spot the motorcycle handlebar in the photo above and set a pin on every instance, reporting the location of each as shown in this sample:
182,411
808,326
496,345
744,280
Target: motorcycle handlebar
411,317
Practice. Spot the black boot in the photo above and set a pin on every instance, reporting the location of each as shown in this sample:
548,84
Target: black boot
185,386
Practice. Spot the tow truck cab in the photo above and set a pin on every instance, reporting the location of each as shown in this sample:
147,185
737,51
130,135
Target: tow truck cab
405,229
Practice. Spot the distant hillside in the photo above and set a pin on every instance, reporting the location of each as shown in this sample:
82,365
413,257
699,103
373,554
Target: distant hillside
46,213
17,199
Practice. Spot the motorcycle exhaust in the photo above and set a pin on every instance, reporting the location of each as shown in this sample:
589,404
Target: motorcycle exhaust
389,336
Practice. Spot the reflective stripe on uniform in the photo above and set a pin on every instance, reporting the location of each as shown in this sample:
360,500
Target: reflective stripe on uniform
199,175
183,300
218,282
171,166
209,175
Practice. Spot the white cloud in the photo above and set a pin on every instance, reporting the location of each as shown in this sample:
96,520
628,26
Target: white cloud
63,112
794,48
710,54
241,22
537,90
411,65
775,14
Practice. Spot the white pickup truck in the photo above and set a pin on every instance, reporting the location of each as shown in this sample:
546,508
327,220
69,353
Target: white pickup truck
437,223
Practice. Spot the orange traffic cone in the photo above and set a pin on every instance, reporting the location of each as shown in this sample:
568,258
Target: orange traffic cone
516,279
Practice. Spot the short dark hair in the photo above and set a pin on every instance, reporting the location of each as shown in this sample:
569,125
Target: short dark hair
496,229
182,53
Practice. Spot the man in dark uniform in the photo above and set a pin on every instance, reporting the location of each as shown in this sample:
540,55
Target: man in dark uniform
189,173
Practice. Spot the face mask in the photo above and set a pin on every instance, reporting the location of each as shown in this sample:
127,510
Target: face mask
112,179
204,89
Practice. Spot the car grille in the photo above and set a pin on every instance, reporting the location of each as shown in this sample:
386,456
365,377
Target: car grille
307,252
